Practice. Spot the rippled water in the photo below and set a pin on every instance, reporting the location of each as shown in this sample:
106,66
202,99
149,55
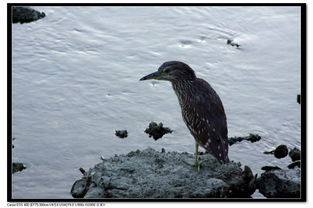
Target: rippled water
75,81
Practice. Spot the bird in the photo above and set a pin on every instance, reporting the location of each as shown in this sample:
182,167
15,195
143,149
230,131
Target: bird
201,107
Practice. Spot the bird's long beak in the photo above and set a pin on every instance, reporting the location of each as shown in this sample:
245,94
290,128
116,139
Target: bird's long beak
154,75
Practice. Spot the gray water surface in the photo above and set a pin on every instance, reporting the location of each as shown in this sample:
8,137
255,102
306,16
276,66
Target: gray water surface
75,81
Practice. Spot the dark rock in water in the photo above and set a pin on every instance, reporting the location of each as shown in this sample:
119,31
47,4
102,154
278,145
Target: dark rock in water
299,99
295,154
232,43
13,144
153,174
280,183
269,168
17,166
121,133
82,170
157,131
294,164
281,151
80,187
26,14
252,138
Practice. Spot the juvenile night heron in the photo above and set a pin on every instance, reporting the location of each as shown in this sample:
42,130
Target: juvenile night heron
202,108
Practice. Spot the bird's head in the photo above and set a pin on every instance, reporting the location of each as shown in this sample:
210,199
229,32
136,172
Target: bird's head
172,71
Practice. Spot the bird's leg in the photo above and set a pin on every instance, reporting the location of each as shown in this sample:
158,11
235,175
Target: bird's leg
197,163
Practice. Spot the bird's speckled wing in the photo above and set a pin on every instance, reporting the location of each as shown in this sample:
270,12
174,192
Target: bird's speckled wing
208,124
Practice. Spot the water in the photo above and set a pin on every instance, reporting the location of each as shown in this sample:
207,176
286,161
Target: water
75,81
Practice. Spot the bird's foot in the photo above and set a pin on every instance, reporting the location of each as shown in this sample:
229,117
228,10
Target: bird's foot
197,163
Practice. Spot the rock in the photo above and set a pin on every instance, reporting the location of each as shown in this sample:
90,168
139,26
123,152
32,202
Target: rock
82,170
295,154
281,151
95,192
152,174
26,14
232,43
280,183
13,144
269,152
157,131
121,133
17,166
269,168
80,188
295,164
252,138
299,99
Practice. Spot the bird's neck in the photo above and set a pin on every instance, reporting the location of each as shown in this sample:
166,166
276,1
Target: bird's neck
184,89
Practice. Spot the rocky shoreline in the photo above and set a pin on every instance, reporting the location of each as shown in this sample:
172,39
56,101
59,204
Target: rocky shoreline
153,174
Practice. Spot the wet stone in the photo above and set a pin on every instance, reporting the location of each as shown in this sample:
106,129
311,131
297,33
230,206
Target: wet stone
121,133
232,43
252,138
281,151
79,188
157,130
269,168
295,154
17,166
294,164
26,15
156,174
280,183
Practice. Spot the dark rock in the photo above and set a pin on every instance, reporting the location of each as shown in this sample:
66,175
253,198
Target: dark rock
295,154
232,43
294,164
121,133
280,183
80,188
157,131
82,170
26,14
269,168
250,184
13,144
281,151
17,166
153,174
299,99
252,138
